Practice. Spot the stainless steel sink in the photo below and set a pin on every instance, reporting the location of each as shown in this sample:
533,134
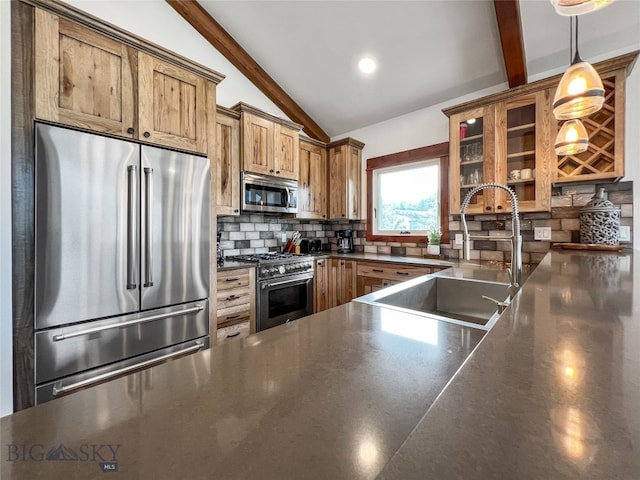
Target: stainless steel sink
452,299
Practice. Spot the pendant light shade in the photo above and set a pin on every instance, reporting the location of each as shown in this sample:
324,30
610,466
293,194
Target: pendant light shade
572,138
579,93
578,7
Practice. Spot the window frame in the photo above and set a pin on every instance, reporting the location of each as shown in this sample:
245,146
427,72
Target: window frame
438,151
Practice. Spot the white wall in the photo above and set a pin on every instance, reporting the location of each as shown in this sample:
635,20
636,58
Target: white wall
6,354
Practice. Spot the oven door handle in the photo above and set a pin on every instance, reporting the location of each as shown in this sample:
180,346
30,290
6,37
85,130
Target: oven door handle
284,282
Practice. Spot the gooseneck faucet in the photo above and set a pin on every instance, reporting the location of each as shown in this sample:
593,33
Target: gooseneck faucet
515,272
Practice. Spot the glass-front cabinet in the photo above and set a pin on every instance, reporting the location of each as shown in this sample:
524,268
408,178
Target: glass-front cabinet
508,143
471,151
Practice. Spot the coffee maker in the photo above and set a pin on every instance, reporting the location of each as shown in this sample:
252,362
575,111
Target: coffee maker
345,241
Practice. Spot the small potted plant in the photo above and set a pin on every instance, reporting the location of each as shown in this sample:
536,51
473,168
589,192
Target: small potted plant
434,235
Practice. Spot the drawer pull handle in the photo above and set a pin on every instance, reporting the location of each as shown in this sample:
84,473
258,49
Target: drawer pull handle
231,335
378,270
233,297
231,317
232,279
402,273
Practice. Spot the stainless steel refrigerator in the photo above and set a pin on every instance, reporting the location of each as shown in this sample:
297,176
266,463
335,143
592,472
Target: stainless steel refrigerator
121,260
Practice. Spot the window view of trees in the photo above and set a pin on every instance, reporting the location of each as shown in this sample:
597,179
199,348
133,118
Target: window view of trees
408,198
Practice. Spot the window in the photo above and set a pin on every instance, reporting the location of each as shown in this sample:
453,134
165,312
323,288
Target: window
408,195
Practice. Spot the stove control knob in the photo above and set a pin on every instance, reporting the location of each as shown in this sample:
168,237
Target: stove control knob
281,269
264,271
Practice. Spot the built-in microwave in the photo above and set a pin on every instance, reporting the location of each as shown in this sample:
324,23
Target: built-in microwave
267,194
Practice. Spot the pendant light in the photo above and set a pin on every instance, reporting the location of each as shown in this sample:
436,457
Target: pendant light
580,91
572,138
578,7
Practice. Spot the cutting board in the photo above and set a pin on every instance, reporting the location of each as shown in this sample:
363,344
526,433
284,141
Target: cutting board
588,246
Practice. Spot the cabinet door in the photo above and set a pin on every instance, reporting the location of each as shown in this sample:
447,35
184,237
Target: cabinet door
342,281
321,279
354,182
337,183
369,284
82,78
227,155
286,152
257,144
471,137
524,141
312,182
172,105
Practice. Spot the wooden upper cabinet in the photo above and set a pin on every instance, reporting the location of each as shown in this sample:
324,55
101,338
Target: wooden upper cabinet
508,143
91,80
312,180
227,158
345,179
83,78
257,144
269,144
172,105
286,151
515,131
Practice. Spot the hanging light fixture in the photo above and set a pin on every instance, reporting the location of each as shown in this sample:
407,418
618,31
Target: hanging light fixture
580,91
578,7
572,138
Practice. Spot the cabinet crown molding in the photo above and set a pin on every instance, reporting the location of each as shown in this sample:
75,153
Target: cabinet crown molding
220,110
312,141
242,107
352,142
59,8
625,61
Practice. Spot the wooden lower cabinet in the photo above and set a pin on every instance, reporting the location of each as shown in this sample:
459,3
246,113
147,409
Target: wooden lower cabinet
342,281
321,285
372,276
235,298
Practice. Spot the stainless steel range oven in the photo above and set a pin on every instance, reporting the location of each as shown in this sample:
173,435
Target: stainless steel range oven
284,287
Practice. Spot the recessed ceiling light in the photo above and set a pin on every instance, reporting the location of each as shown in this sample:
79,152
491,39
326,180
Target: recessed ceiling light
367,65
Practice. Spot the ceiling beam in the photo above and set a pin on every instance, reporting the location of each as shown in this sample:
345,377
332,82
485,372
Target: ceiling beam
510,28
217,36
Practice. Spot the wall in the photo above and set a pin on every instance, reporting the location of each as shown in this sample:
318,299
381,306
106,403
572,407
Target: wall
6,353
430,126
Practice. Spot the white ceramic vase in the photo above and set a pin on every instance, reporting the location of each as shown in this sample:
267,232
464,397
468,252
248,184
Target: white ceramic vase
433,249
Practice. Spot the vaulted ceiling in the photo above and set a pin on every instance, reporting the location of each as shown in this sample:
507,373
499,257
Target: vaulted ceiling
428,52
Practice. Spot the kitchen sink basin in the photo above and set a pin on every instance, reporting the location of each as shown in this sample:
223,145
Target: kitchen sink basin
453,299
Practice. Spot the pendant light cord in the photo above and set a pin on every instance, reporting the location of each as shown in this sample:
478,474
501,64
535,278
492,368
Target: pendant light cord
570,40
576,58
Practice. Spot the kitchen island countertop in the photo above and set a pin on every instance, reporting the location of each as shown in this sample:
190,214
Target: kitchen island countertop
358,391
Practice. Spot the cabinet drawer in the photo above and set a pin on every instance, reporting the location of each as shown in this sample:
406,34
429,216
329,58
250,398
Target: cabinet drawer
240,330
391,271
232,297
230,279
236,314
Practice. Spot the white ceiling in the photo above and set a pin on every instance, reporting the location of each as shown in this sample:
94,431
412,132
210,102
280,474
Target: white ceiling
427,51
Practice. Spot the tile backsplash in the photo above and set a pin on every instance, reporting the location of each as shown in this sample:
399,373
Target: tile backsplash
261,233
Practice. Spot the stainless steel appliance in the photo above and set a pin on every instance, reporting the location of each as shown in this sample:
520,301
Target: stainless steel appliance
284,287
122,258
345,241
267,194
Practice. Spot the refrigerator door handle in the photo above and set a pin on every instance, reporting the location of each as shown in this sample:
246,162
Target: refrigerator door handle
148,230
131,228
59,389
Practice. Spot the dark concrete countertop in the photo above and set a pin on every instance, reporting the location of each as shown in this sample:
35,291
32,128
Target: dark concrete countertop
552,391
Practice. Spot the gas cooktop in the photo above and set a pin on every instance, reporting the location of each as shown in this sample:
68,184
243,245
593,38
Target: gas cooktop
271,257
